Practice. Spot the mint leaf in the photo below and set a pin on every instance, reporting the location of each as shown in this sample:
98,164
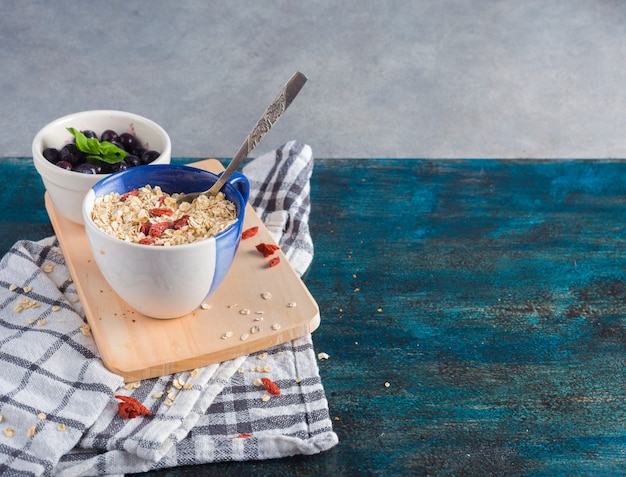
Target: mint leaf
111,153
102,151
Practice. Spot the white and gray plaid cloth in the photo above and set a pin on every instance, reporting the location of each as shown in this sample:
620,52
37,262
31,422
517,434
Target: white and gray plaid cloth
57,406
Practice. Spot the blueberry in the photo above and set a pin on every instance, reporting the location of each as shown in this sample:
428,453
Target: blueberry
149,156
109,135
51,154
129,141
86,168
70,153
120,166
64,165
89,134
132,160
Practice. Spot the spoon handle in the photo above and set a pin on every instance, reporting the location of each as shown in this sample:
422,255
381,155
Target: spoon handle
263,125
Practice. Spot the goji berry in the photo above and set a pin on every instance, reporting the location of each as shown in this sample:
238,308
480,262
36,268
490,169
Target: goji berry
270,386
130,408
159,211
274,261
180,223
146,241
125,196
251,232
145,227
157,229
243,435
162,199
267,249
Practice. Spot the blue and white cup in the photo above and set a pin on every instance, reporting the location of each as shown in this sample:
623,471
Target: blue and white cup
165,282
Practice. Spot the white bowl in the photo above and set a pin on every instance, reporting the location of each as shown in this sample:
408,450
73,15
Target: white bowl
67,189
171,281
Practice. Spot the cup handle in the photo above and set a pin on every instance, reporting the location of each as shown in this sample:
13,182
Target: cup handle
240,182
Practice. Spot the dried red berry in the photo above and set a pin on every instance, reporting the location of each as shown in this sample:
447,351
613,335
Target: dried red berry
146,241
270,386
157,229
267,249
145,227
180,223
160,211
274,261
125,196
251,232
130,408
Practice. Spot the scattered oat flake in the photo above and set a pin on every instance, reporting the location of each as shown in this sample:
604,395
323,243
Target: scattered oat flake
41,322
61,427
267,368
276,326
254,330
48,267
193,373
266,295
86,329
262,355
257,382
56,308
244,311
27,289
158,395
30,321
205,306
42,416
9,432
168,402
188,386
265,398
291,304
227,335
298,380
128,386
240,370
322,356
244,337
233,306
12,287
31,431
387,384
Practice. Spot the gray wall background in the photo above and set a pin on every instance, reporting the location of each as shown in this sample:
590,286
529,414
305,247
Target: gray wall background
387,78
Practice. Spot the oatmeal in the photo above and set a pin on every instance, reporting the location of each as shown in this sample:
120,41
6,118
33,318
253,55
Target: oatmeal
152,217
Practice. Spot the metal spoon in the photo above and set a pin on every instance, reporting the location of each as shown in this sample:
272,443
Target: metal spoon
263,125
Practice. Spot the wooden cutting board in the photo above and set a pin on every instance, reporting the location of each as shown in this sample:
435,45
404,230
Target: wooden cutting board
137,347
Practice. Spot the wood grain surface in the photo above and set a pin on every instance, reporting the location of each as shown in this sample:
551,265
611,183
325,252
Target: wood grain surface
138,347
474,314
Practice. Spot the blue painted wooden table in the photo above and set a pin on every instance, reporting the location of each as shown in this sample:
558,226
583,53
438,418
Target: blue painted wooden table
474,314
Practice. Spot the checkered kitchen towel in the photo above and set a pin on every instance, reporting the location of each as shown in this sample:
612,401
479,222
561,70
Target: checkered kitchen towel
59,416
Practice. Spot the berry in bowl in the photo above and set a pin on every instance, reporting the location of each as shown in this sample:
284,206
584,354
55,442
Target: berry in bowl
74,152
163,258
